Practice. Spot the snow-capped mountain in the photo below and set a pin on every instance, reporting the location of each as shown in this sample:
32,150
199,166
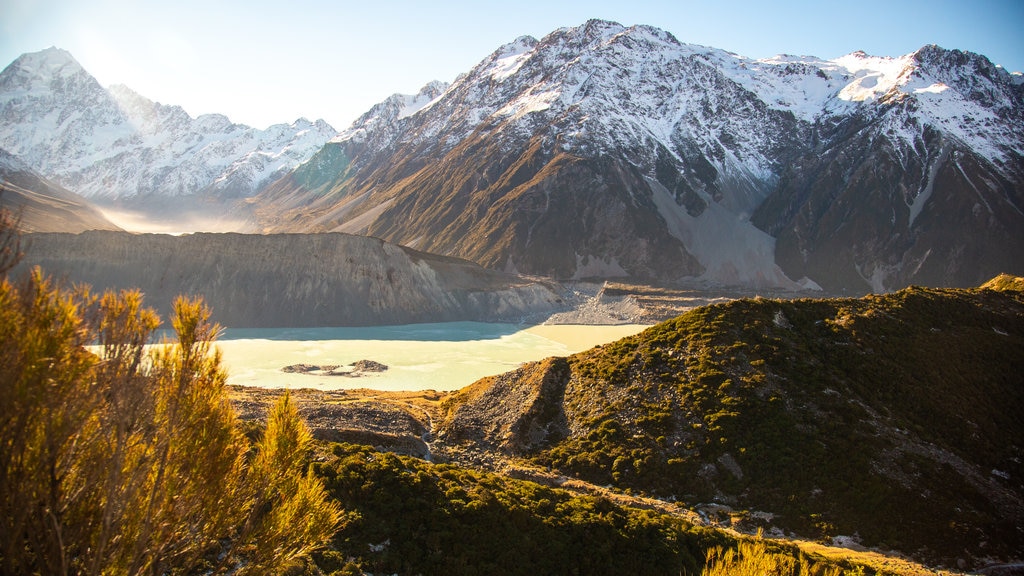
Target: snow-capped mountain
603,151
917,176
114,143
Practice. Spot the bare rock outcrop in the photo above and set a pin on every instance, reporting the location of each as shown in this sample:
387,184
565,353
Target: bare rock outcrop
513,412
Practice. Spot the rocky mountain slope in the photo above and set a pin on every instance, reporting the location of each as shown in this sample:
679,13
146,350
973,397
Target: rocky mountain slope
283,280
115,144
43,206
890,421
606,151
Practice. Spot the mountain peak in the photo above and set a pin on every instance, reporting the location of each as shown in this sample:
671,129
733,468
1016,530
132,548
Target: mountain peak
596,31
933,56
596,27
52,62
383,115
53,55
588,33
518,45
433,89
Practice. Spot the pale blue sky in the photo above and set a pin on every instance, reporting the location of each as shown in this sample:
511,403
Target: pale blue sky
265,62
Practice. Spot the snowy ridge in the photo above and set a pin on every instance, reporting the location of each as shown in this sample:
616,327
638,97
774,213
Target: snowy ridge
601,87
380,119
640,88
937,87
284,147
510,57
116,143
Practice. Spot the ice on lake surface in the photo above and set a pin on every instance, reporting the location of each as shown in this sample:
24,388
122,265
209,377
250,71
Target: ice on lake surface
445,356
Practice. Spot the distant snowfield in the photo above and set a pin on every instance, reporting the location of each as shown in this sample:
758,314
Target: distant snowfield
445,356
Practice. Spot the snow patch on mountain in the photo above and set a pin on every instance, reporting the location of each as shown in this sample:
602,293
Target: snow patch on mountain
531,101
510,57
872,76
423,99
936,88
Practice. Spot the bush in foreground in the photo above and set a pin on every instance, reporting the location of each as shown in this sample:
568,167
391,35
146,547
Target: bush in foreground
131,460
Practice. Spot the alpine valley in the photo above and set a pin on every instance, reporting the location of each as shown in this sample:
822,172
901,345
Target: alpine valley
601,173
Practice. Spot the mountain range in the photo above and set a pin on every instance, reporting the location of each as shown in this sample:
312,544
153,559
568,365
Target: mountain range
610,151
599,151
112,143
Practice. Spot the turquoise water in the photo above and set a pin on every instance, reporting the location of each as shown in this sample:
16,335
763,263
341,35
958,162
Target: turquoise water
440,332
444,356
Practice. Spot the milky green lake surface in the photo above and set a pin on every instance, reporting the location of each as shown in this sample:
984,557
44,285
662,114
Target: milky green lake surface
445,356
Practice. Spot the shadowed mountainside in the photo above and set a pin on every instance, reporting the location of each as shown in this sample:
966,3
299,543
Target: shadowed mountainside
42,205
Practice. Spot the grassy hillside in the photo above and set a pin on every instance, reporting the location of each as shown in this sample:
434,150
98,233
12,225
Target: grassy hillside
895,419
407,516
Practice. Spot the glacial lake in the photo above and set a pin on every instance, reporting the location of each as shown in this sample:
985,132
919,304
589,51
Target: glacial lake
442,357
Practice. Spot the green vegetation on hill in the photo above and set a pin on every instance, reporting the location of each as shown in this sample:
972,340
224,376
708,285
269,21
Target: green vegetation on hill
894,418
407,516
1005,283
415,517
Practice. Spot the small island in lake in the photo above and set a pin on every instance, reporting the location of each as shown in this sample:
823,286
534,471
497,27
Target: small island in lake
354,370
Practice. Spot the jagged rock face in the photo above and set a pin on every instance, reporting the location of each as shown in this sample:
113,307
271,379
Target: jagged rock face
43,206
117,144
864,218
609,151
283,280
924,188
